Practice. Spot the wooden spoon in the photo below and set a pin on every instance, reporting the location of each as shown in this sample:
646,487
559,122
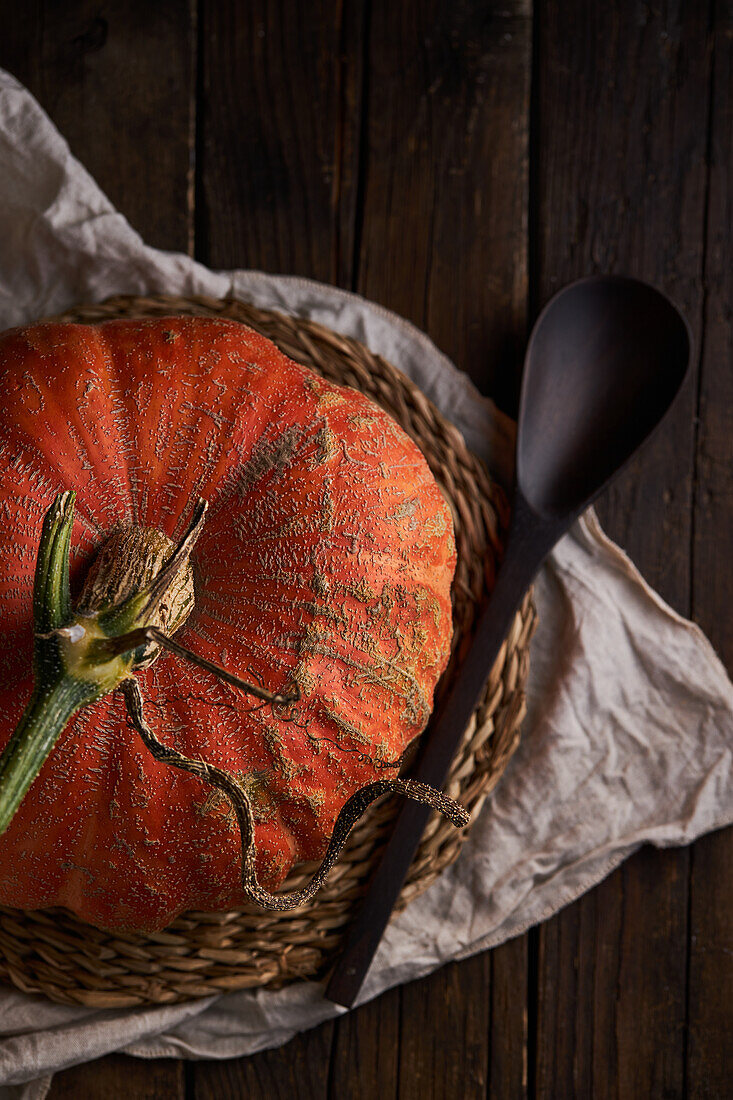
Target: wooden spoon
605,360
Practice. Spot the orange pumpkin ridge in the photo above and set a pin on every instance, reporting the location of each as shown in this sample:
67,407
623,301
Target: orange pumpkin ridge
326,559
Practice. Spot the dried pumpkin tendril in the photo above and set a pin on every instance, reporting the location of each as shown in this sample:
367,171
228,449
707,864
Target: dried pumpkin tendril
350,812
138,592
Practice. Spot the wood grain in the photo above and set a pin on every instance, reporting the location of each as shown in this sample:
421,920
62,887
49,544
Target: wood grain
365,1057
620,177
299,1069
444,238
445,1022
509,1028
117,79
119,1075
279,115
710,1006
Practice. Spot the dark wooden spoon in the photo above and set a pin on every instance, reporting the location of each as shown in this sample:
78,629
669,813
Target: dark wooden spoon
605,360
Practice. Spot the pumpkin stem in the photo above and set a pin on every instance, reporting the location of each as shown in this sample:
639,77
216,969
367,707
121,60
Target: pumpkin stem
178,558
81,655
51,599
56,696
43,722
350,812
141,606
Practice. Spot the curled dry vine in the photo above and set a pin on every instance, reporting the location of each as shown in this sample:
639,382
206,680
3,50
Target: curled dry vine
350,812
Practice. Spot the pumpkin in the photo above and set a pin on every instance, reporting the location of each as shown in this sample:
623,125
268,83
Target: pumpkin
320,575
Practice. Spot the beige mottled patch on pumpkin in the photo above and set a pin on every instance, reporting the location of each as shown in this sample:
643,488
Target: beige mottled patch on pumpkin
305,681
425,600
320,584
435,526
362,420
343,725
405,513
256,786
278,863
328,399
362,591
316,800
327,445
284,765
328,510
387,597
269,456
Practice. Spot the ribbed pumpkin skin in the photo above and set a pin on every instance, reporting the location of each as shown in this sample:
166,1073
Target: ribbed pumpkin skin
327,558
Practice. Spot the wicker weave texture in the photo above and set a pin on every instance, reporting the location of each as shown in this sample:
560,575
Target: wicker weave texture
202,954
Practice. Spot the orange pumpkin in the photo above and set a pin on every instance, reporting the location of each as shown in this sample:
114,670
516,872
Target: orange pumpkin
323,570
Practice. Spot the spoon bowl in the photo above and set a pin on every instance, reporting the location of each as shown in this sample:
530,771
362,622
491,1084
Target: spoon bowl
605,360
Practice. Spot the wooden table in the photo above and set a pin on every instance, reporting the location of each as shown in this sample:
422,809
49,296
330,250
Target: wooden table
458,162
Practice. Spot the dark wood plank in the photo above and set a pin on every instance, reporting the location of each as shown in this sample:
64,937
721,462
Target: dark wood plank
444,1028
299,1069
577,983
561,998
443,241
621,123
365,1059
118,1075
117,78
277,174
444,223
710,1018
710,1009
509,1020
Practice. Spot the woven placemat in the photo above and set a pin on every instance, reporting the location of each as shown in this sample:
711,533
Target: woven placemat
201,954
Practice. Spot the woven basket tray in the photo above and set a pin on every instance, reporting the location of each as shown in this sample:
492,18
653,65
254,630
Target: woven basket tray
201,954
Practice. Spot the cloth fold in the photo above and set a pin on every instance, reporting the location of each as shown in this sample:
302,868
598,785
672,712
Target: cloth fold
628,733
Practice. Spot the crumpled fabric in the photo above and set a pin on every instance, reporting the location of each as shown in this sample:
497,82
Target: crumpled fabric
627,739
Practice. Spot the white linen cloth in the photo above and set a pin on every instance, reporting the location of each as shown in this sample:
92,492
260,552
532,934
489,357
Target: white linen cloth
628,735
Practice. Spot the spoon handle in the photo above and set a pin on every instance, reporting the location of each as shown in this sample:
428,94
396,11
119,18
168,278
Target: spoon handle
530,540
